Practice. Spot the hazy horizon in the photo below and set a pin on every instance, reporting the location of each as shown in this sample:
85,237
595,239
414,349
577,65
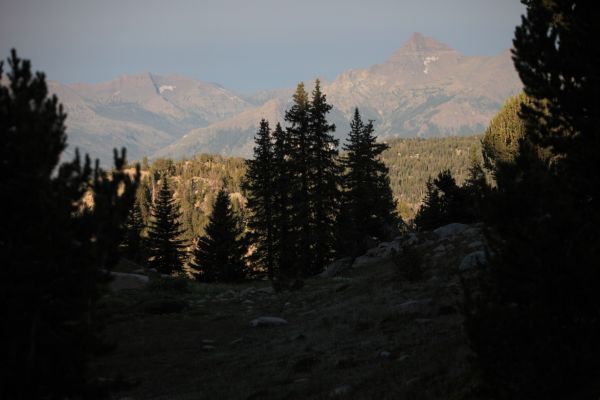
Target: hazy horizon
244,47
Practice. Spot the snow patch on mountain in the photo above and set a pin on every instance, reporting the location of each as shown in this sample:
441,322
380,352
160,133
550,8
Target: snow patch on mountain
428,60
164,88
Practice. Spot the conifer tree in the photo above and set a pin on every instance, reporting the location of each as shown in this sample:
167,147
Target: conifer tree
55,248
165,248
475,190
259,185
429,215
445,202
133,242
535,324
299,173
324,180
219,254
283,233
369,207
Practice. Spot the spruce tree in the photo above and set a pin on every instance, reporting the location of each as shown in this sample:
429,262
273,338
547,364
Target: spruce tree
369,208
283,230
475,190
445,202
259,185
165,249
324,181
219,253
298,161
429,215
55,246
535,324
133,242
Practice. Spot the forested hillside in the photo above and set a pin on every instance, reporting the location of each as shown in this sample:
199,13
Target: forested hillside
413,161
197,180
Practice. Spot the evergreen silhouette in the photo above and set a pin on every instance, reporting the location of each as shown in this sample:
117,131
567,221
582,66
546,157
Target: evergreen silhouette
429,215
534,325
475,190
165,248
55,246
369,209
133,243
286,272
445,202
219,254
259,185
324,181
298,161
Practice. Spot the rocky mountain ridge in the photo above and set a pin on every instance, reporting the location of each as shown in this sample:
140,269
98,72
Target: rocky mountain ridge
424,89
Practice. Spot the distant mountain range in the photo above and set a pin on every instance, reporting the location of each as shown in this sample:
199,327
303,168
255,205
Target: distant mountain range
425,89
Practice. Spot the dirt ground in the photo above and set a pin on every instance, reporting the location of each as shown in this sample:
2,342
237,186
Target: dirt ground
368,334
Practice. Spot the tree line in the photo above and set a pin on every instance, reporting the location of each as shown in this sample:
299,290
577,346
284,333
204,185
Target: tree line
305,206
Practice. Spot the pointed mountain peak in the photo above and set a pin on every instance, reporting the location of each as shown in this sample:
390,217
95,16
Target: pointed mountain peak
419,45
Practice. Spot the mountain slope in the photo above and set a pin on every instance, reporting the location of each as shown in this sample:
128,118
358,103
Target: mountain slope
142,112
425,89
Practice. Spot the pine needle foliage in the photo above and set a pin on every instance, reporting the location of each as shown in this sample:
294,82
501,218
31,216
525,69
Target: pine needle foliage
166,249
219,255
59,236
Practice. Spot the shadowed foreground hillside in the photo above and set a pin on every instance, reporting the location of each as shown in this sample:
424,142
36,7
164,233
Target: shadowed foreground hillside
366,333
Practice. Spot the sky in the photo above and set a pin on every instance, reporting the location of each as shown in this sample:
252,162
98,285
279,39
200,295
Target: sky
243,45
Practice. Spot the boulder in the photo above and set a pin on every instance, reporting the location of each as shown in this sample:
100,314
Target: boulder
446,231
472,260
268,321
384,249
364,260
124,280
336,267
340,391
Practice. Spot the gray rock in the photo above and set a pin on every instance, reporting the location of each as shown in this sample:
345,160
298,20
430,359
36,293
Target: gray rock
472,260
411,238
268,321
446,231
385,354
336,267
384,249
340,391
475,244
440,248
365,260
123,280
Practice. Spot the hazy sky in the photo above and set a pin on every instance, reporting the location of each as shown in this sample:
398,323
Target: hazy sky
243,45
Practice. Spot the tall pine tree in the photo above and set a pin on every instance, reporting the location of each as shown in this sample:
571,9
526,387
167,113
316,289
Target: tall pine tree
369,209
219,254
536,323
299,173
324,181
259,185
133,242
165,248
283,229
55,248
